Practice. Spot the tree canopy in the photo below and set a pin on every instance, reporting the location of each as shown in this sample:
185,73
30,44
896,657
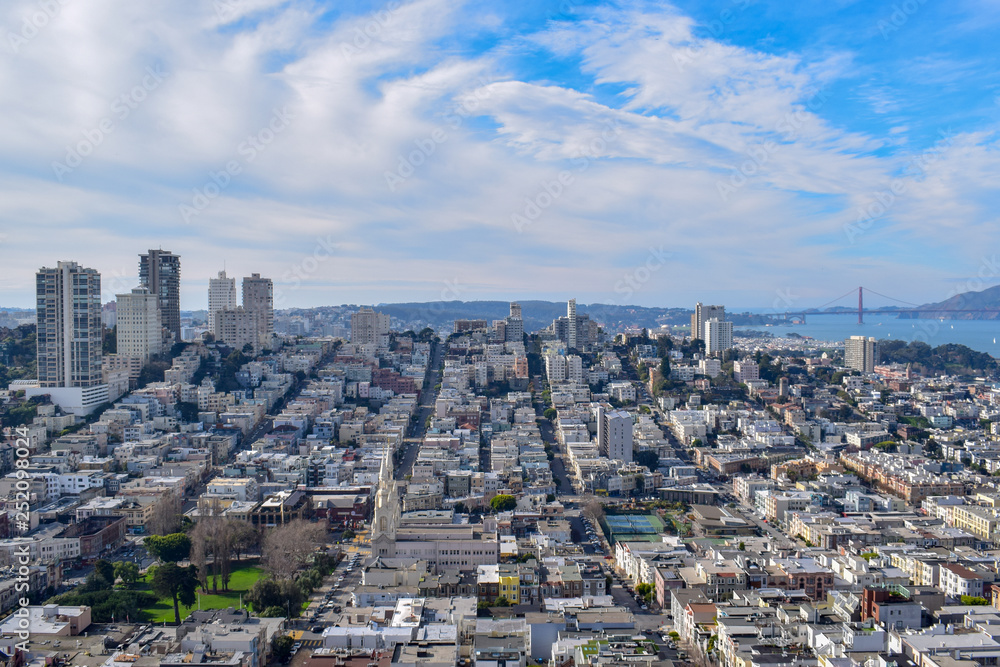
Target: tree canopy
169,548
177,583
503,502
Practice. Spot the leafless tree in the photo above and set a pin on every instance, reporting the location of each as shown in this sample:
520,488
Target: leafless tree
166,515
199,552
287,548
594,510
246,538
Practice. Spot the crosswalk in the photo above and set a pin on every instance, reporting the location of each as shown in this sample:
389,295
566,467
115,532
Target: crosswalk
311,643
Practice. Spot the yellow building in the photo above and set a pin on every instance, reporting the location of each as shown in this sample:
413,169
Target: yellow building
980,521
510,588
137,515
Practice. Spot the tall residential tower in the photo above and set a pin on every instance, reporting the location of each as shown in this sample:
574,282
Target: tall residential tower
70,337
861,353
701,315
221,295
160,273
258,298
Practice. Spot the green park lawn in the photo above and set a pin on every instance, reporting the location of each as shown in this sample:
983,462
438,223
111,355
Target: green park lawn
241,580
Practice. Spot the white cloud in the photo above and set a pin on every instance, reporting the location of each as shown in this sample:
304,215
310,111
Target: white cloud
649,167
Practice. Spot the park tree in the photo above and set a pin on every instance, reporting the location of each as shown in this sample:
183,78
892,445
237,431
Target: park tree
177,583
169,548
127,571
285,595
264,593
214,542
106,570
503,502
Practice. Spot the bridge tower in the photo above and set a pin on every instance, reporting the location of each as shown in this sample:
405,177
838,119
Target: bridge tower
861,306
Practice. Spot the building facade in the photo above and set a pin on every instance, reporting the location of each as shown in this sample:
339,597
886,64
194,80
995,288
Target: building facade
258,299
139,332
701,315
614,434
718,336
160,273
369,327
69,333
221,296
861,353
236,328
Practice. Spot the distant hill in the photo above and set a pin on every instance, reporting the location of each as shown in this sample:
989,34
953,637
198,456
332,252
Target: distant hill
987,300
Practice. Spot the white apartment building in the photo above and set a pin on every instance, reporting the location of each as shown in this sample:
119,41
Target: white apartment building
555,367
221,296
710,367
745,371
958,580
140,332
614,434
718,336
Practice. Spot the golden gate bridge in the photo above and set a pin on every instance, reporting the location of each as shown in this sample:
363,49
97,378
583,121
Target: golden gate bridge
906,308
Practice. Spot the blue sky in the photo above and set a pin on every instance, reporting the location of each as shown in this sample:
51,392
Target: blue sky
653,153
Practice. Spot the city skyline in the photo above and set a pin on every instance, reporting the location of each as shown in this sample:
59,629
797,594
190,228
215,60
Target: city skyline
630,153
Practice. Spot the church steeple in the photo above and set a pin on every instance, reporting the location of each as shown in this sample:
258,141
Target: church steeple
386,518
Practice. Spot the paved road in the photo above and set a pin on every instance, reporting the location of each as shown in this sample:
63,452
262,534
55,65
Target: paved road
425,408
779,537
